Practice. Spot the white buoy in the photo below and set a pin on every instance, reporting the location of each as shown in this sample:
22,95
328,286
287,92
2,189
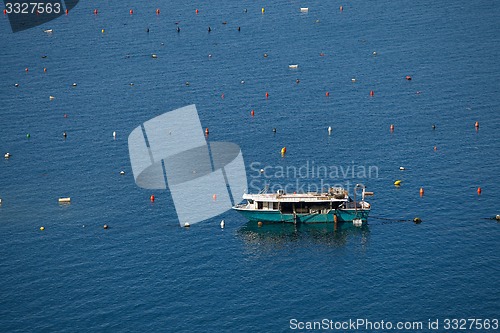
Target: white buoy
304,10
374,53
329,130
64,200
74,84
401,168
51,98
114,135
187,225
122,172
261,170
357,222
16,85
353,79
0,201
154,56
222,224
7,155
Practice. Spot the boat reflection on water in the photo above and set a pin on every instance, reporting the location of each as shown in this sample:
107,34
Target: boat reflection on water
274,236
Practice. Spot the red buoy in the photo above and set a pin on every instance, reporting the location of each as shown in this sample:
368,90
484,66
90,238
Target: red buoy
157,11
327,94
5,11
421,191
26,69
206,131
196,11
45,70
66,11
252,113
152,198
478,191
372,93
222,96
65,115
341,8
131,12
476,124
95,11
267,95
408,77
435,148
392,127
214,197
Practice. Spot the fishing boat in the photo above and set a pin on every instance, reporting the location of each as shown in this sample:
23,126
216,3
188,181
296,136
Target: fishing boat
332,206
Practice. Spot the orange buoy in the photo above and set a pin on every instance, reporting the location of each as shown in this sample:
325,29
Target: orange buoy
131,12
252,113
327,94
421,191
267,95
214,197
283,151
66,11
196,11
157,11
95,11
152,198
392,128
372,93
45,70
476,125
478,191
408,77
206,131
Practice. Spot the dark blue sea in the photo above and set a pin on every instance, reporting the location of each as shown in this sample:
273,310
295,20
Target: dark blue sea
146,273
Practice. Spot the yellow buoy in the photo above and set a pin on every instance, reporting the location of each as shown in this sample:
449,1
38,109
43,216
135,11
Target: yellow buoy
102,31
263,10
42,228
259,224
397,182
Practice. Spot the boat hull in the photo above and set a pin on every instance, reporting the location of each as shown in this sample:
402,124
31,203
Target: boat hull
275,216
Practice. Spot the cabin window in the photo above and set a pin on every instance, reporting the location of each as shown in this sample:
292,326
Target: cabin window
250,201
259,205
275,205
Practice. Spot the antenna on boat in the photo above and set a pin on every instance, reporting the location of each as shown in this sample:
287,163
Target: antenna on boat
265,189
